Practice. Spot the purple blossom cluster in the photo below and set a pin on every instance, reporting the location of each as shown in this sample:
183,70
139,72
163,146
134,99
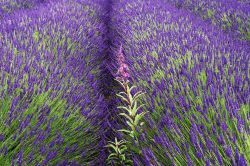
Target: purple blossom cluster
9,6
197,81
122,73
231,15
58,64
46,49
48,90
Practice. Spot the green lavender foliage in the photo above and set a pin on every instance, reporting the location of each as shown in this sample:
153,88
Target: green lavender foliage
189,93
68,128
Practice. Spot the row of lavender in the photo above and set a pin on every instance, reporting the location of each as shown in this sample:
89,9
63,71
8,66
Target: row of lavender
196,79
231,15
49,100
9,6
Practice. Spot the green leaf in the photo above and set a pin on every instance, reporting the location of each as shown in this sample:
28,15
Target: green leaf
124,130
138,117
119,151
128,117
112,155
111,146
121,83
129,161
138,94
134,110
126,108
123,149
130,89
123,141
123,157
131,125
131,134
122,97
122,93
130,98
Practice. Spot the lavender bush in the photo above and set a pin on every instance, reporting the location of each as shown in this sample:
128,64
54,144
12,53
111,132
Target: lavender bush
197,83
72,73
231,15
48,93
10,6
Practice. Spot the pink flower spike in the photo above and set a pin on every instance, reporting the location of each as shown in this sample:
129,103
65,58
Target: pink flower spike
122,73
120,56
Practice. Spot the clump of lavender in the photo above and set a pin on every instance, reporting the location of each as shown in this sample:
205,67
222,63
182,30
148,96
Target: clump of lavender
232,16
10,6
196,78
48,93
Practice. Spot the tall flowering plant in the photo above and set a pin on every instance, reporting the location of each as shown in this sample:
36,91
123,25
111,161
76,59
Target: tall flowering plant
132,115
122,74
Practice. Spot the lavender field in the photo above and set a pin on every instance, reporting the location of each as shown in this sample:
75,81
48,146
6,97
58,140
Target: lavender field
124,82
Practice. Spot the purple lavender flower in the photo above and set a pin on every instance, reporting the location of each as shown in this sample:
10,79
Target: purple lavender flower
2,137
